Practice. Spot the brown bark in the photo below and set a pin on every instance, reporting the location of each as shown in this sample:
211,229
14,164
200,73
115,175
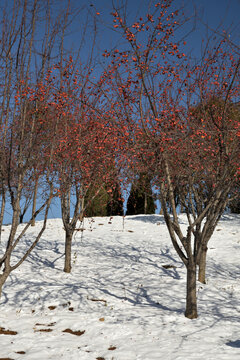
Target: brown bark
81,214
191,298
2,211
68,250
145,203
3,279
202,266
34,201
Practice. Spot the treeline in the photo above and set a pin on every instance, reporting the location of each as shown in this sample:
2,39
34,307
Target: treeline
141,200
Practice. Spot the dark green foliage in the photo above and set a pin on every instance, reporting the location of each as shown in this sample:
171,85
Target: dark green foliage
115,203
107,202
96,205
140,200
234,205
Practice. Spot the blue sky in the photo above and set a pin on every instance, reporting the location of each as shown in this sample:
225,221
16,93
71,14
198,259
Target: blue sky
210,15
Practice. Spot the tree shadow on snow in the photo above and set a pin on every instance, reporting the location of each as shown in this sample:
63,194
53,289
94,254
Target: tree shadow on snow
38,257
48,291
131,261
235,344
138,299
230,217
153,219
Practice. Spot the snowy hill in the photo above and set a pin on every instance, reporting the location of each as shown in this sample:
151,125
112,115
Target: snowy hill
125,297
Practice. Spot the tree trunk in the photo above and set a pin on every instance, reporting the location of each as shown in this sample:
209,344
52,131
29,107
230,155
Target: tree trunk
68,250
191,301
202,265
34,202
3,278
81,214
2,212
1,285
181,208
145,203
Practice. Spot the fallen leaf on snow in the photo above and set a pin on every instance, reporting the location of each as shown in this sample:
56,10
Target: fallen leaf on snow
78,332
3,331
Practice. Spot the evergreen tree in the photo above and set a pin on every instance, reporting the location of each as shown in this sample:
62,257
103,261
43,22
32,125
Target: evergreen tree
108,202
115,203
140,200
96,205
234,205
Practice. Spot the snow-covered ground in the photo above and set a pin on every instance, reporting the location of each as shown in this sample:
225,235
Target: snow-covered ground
119,300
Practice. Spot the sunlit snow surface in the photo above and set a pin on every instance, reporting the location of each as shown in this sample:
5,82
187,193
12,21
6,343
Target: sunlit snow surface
119,293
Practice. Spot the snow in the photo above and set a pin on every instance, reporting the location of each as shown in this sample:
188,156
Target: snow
128,306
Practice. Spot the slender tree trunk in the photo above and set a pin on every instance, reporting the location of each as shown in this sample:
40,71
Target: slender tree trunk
202,265
2,212
145,204
5,273
68,250
3,278
191,301
181,208
34,201
81,214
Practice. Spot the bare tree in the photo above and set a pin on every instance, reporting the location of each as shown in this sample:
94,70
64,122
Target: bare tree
25,130
156,93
